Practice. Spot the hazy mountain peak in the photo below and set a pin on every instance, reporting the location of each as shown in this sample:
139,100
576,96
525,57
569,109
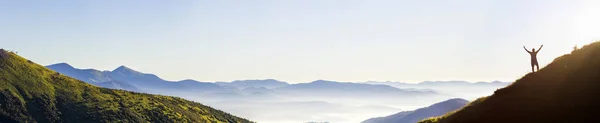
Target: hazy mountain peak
267,83
61,65
451,102
456,100
125,70
497,82
322,81
188,80
191,81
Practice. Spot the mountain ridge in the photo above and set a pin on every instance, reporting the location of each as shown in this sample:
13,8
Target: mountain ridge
267,83
566,90
33,93
150,79
133,80
92,76
436,109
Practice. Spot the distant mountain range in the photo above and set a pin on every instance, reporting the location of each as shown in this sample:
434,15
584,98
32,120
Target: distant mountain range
342,89
437,109
427,84
241,84
270,90
128,79
457,89
31,93
92,76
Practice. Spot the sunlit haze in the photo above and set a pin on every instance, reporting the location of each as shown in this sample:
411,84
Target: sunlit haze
301,40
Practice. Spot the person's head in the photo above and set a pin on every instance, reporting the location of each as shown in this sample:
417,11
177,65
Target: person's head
533,49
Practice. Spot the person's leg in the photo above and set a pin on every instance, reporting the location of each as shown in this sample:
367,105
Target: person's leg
532,67
538,67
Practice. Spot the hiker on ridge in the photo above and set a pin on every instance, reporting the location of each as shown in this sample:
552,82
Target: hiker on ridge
533,54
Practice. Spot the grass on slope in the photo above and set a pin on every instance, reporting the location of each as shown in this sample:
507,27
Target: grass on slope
32,93
567,90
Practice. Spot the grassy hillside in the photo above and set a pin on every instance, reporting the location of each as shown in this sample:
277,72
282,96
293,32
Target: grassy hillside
32,93
566,91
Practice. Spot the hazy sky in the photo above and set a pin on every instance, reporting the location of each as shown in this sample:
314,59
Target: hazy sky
300,40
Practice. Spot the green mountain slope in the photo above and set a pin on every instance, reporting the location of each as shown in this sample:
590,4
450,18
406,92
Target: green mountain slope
32,93
566,91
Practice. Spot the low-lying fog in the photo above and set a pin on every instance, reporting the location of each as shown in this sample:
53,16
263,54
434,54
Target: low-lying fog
348,107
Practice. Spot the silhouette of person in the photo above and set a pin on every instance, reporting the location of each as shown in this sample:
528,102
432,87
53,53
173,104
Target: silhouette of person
533,54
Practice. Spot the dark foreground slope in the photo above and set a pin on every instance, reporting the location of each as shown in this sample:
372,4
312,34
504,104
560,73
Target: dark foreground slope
32,93
566,91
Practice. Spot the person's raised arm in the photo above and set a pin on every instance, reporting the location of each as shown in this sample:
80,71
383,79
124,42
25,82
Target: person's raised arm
539,48
526,49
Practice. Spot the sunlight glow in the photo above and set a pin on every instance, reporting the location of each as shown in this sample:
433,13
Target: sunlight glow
587,24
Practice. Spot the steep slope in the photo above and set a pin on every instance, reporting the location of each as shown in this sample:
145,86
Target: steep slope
420,114
566,91
32,93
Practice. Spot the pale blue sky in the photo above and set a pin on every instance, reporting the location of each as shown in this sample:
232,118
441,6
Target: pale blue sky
300,40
